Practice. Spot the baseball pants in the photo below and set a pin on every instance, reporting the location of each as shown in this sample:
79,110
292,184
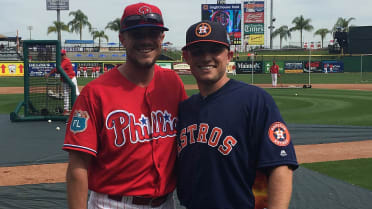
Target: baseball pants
101,201
274,79
66,93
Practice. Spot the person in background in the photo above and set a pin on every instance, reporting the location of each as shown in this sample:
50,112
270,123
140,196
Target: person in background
67,67
121,133
78,72
227,132
98,69
93,72
274,70
85,72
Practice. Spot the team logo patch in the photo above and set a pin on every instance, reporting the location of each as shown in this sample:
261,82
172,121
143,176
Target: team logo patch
79,122
279,134
203,30
144,10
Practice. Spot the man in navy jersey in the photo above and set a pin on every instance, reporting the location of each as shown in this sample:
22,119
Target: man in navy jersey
227,132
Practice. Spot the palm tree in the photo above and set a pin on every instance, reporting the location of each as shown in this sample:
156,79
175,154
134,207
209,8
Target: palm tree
322,33
343,23
79,22
57,27
114,26
99,35
283,32
301,24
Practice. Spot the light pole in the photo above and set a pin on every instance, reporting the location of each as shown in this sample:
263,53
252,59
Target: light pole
30,29
271,27
59,22
92,30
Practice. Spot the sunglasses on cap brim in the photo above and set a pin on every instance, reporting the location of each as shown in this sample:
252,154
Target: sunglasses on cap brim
206,47
149,18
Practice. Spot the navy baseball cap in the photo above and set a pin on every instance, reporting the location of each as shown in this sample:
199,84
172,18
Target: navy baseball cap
141,15
207,31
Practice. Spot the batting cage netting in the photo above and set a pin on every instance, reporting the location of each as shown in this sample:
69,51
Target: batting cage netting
46,96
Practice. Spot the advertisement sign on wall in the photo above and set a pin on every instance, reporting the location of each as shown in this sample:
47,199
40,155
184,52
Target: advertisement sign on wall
294,67
268,64
231,68
40,69
243,67
315,67
11,69
333,66
229,15
167,65
57,4
181,68
254,28
255,17
254,39
254,21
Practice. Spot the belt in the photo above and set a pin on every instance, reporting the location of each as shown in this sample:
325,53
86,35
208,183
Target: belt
153,202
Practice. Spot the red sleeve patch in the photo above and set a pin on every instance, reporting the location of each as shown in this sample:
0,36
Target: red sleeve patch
279,134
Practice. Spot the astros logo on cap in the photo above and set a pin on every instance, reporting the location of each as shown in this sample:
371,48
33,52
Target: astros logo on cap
203,30
279,134
144,10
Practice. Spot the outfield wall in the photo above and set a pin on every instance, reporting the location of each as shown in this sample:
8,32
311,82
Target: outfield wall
357,63
287,64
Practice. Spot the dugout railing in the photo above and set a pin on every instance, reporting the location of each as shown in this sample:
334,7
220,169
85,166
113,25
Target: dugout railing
43,97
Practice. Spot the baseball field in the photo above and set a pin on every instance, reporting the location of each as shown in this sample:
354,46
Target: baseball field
332,133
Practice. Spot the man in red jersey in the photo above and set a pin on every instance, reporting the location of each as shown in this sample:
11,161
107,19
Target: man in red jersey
67,67
85,72
121,133
274,70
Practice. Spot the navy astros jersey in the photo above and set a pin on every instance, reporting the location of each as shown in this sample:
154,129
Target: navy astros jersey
222,140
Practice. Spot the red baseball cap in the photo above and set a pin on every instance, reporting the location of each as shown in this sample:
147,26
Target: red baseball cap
141,15
63,52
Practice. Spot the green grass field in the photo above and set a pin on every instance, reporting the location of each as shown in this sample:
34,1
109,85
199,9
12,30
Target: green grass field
310,106
357,172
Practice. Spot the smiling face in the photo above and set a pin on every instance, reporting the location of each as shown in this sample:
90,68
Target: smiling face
208,63
143,46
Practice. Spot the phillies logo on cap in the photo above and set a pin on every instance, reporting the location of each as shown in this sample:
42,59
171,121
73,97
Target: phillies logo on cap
144,10
203,30
279,134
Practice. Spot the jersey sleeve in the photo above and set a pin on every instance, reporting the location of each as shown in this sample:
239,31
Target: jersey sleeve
81,130
275,147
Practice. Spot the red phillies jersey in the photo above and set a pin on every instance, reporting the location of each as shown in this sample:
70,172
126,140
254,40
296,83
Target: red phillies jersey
131,132
274,69
67,67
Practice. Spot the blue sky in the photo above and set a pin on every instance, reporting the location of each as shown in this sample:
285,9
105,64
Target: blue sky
178,16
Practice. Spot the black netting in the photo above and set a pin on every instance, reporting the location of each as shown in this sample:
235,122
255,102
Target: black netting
45,95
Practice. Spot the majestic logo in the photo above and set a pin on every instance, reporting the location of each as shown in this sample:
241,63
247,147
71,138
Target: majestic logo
144,10
127,129
279,134
203,30
79,122
283,153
